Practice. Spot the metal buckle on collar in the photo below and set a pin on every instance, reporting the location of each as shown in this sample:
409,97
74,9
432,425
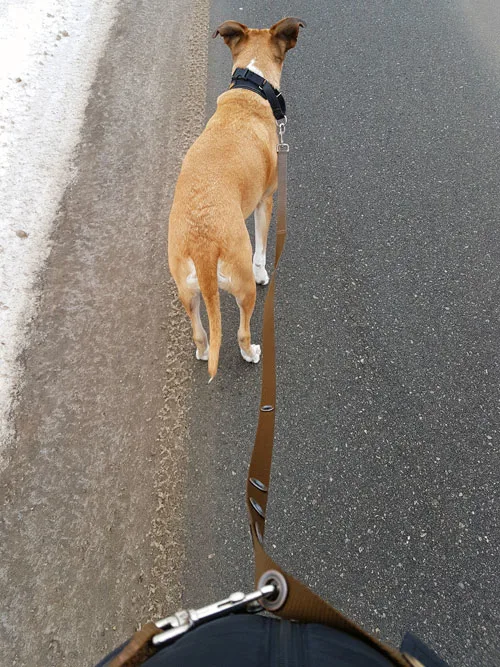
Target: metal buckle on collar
245,77
182,621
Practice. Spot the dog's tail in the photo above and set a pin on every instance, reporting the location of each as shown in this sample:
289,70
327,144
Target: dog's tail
206,271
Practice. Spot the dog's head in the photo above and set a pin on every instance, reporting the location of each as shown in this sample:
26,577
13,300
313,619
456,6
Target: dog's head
264,49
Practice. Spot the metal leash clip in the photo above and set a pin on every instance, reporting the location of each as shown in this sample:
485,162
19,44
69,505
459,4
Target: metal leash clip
184,620
282,147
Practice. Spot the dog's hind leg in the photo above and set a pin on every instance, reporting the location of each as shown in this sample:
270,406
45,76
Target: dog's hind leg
246,303
191,302
262,217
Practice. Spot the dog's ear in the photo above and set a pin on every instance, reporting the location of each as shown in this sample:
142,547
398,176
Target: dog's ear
232,32
286,31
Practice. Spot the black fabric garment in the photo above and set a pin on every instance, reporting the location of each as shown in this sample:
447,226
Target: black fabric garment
245,640
415,647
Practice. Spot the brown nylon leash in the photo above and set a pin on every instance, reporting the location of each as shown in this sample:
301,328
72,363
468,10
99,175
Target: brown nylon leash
301,604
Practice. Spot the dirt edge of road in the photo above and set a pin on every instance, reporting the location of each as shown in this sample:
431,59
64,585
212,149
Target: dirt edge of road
188,121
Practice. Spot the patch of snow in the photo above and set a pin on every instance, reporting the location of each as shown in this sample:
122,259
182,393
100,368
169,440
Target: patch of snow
49,51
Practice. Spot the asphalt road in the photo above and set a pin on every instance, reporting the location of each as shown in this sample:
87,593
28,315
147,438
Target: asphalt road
386,472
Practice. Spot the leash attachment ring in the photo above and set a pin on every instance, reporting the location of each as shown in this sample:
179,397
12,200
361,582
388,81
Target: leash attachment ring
277,599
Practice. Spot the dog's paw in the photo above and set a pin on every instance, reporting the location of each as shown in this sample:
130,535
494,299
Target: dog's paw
260,274
202,356
254,357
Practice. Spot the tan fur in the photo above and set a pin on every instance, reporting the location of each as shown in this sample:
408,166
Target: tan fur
227,172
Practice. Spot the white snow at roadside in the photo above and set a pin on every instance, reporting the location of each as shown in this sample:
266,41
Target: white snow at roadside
49,50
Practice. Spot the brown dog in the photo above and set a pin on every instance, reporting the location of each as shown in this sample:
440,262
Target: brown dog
228,173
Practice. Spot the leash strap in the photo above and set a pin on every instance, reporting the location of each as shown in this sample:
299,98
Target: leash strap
294,600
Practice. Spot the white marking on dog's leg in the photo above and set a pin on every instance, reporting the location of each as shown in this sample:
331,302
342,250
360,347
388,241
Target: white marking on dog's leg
251,66
254,357
192,279
223,281
203,356
259,258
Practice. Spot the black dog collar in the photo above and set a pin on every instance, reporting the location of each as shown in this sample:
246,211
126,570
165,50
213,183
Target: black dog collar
245,78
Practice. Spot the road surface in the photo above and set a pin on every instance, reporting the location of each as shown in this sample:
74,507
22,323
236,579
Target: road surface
124,493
